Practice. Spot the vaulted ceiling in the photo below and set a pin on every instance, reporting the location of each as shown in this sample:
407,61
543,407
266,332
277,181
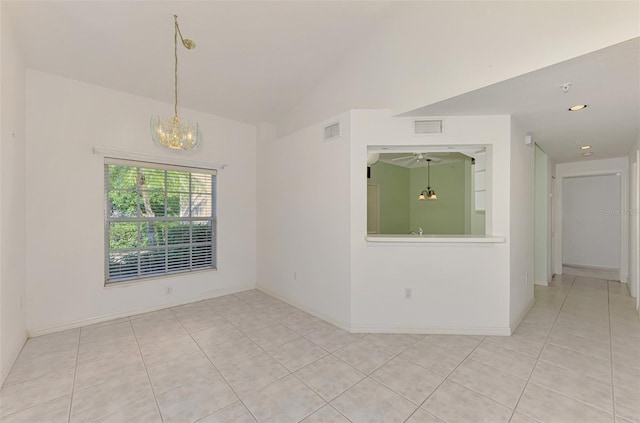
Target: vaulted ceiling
256,60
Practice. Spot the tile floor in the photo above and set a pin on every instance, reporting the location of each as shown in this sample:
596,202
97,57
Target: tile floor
248,357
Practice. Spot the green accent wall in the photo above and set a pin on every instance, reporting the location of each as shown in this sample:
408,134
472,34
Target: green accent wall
447,214
453,213
394,192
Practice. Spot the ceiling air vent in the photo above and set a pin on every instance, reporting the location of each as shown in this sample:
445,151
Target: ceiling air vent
427,126
332,131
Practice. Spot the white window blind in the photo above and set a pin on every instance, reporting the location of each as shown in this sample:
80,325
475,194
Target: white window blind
159,220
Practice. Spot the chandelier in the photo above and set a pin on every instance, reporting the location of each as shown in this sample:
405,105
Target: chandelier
428,193
174,132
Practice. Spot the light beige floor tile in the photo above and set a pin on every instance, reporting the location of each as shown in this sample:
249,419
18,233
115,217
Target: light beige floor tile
236,413
368,401
574,384
455,403
510,362
296,354
395,342
584,345
364,356
54,411
20,396
253,374
176,372
272,336
627,403
499,386
625,376
432,357
113,332
218,334
109,397
409,380
302,323
106,348
331,338
194,321
528,340
251,322
521,418
35,367
62,342
584,330
421,416
627,356
159,333
287,400
548,406
326,414
461,343
329,377
145,411
91,373
194,400
231,352
588,365
156,353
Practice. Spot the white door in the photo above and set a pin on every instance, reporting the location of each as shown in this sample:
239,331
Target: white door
373,209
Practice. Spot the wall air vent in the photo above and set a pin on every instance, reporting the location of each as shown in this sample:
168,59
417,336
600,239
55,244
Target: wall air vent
427,126
332,131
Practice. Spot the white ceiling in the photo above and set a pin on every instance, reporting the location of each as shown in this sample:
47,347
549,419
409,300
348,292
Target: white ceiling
608,81
256,60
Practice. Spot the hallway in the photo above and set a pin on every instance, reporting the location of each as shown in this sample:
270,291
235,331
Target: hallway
249,356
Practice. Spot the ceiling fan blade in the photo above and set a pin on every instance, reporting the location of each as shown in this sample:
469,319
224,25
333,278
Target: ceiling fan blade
403,158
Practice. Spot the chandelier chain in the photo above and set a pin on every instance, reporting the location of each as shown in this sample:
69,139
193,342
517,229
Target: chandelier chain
175,70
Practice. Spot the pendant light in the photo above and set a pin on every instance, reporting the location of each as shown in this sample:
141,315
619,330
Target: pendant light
174,132
428,194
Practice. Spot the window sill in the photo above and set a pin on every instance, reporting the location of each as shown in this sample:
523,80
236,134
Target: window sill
435,239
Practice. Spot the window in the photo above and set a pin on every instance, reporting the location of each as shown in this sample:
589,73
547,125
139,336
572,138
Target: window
159,220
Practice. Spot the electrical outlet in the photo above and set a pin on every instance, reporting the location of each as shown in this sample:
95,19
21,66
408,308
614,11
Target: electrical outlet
295,276
169,290
408,293
526,279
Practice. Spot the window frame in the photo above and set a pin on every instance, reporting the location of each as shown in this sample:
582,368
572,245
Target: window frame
139,275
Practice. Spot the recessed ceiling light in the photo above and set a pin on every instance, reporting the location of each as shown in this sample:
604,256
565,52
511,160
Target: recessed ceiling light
577,107
587,154
585,147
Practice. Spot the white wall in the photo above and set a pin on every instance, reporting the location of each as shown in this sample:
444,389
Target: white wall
587,168
634,222
542,207
457,288
65,204
407,66
591,221
303,220
521,230
12,202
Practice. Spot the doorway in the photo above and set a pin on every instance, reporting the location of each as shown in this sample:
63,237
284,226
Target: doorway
592,226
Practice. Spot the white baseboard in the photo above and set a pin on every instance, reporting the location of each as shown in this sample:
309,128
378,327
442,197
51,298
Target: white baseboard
31,333
4,372
432,330
336,322
541,283
522,315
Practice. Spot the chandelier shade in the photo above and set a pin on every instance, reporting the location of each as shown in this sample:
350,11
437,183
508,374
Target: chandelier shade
174,132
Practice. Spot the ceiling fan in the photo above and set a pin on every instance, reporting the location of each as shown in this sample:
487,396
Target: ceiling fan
416,158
